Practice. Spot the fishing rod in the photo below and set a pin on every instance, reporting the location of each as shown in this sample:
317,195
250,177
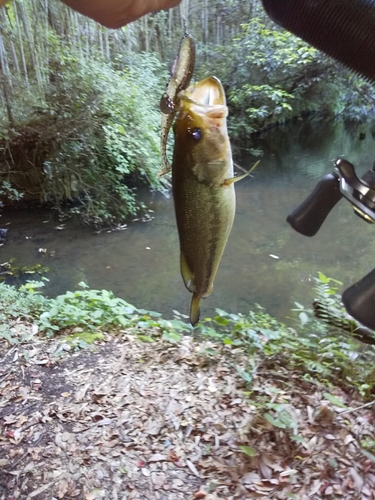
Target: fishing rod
308,217
345,30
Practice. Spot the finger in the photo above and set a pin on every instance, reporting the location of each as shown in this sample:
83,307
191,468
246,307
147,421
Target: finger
118,13
138,8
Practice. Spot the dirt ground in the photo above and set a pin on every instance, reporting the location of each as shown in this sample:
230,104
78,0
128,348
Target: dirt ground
124,419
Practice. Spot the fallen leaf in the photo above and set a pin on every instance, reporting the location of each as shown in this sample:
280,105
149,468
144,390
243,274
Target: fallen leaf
192,468
157,457
288,472
92,495
199,494
146,472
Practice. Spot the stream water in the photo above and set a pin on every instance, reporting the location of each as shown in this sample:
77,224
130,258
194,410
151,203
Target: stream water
141,263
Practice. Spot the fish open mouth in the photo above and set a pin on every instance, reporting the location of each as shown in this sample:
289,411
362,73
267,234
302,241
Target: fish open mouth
206,97
207,92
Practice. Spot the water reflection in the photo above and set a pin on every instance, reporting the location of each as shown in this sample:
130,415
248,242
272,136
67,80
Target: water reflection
141,264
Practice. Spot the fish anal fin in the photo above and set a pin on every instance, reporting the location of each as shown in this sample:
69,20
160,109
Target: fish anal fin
209,291
186,274
195,310
230,181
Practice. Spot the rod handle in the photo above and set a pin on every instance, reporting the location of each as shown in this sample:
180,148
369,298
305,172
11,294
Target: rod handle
308,217
359,300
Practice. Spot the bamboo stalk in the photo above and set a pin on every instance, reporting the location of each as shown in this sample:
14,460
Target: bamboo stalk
23,58
4,81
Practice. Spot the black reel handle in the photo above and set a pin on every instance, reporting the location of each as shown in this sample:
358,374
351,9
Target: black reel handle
308,217
359,300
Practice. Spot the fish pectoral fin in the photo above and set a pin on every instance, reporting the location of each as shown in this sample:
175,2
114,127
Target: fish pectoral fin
210,173
230,181
195,310
186,274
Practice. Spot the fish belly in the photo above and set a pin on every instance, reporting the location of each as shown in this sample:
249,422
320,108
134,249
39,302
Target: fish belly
205,217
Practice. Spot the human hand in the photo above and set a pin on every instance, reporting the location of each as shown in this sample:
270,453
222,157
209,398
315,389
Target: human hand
117,13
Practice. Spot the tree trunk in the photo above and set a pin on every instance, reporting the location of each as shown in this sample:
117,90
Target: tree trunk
21,46
145,29
107,46
4,83
30,41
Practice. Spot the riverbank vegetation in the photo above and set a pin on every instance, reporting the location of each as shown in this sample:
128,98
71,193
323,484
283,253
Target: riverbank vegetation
79,121
313,346
245,406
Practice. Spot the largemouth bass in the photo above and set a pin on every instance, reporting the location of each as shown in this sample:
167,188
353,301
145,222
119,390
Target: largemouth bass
169,103
202,182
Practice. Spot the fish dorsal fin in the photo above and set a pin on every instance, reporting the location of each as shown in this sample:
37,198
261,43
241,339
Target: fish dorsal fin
187,275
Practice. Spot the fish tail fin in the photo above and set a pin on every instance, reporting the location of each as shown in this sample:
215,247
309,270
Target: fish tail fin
195,310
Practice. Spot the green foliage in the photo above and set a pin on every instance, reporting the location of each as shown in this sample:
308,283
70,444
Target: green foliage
277,76
111,144
311,349
91,309
271,76
10,269
26,303
284,419
249,451
85,117
356,97
334,400
9,193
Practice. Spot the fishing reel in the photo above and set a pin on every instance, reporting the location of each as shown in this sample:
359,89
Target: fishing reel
308,217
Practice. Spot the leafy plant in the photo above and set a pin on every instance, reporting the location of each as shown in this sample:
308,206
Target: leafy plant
92,309
112,144
27,301
8,192
271,76
10,269
313,348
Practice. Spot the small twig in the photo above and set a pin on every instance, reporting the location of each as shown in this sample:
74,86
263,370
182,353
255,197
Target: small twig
30,424
24,455
9,352
358,408
6,376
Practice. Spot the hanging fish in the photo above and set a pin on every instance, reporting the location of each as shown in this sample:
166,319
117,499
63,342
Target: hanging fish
203,186
181,75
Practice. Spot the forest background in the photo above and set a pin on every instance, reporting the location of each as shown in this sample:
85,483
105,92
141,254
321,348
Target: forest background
79,115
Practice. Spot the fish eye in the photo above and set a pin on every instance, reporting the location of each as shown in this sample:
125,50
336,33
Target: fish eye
196,133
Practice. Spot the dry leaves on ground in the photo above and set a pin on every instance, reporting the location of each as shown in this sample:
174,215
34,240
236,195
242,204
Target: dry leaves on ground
160,421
